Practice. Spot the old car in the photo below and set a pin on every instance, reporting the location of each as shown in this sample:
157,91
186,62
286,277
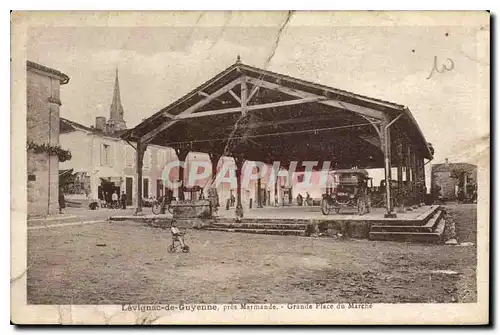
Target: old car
351,191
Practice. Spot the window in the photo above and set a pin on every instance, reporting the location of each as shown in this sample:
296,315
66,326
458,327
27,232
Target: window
146,162
129,156
153,156
106,159
161,158
300,178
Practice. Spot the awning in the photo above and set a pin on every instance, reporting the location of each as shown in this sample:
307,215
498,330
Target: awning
115,180
65,172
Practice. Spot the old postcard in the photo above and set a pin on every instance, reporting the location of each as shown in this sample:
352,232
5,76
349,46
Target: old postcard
250,167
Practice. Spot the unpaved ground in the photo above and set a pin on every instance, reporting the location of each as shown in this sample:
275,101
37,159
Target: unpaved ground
124,262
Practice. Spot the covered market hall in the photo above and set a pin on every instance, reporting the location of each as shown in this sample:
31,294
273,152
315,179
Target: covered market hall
252,114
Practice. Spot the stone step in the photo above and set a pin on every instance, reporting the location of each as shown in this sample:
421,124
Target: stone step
424,237
260,225
428,227
440,227
294,232
267,220
317,221
148,217
420,220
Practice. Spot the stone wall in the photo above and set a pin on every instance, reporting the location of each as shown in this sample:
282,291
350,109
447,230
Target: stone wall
447,184
43,184
42,127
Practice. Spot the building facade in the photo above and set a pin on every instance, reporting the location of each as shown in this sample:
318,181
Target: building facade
105,164
450,176
102,163
43,104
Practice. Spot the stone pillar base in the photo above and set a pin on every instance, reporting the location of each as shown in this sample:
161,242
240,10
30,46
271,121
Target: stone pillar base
239,211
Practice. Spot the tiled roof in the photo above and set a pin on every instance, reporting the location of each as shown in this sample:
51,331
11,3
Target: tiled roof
238,69
241,66
72,125
444,167
64,79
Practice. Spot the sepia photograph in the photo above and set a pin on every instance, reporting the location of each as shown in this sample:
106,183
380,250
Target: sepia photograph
250,167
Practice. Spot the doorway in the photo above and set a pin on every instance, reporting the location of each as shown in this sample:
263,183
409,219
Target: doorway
128,190
145,188
106,190
159,188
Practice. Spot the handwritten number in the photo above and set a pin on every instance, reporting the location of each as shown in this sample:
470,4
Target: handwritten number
444,67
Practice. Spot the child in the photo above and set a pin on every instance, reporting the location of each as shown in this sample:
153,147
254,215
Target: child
176,234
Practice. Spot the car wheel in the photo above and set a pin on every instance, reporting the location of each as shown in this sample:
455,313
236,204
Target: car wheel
325,207
361,206
156,208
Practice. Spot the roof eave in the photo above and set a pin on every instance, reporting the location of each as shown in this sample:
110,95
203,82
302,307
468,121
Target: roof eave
407,112
63,78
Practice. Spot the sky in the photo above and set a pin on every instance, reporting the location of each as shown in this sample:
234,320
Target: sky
158,65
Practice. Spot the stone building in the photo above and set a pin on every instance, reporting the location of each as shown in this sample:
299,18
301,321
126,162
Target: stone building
43,104
449,176
104,163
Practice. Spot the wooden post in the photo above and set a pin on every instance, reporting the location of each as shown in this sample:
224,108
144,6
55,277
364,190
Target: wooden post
414,177
386,148
276,195
259,185
239,166
239,160
181,156
408,174
141,149
214,159
400,175
423,189
213,195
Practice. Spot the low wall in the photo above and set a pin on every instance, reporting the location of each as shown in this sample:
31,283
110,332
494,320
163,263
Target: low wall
190,209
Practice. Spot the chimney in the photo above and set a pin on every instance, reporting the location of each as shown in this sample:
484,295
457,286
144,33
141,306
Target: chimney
446,161
100,123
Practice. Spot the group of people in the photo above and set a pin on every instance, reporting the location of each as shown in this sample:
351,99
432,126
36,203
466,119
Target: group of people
116,201
301,202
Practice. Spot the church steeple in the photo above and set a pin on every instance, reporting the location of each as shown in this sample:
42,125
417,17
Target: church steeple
116,120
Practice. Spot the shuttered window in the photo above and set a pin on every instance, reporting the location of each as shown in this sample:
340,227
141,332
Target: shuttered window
146,163
106,155
129,156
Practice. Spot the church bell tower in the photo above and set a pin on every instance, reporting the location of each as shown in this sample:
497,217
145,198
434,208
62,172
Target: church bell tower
116,121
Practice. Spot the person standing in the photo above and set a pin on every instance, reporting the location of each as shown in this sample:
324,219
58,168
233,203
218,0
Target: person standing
62,201
308,200
114,199
232,198
213,197
299,199
123,200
